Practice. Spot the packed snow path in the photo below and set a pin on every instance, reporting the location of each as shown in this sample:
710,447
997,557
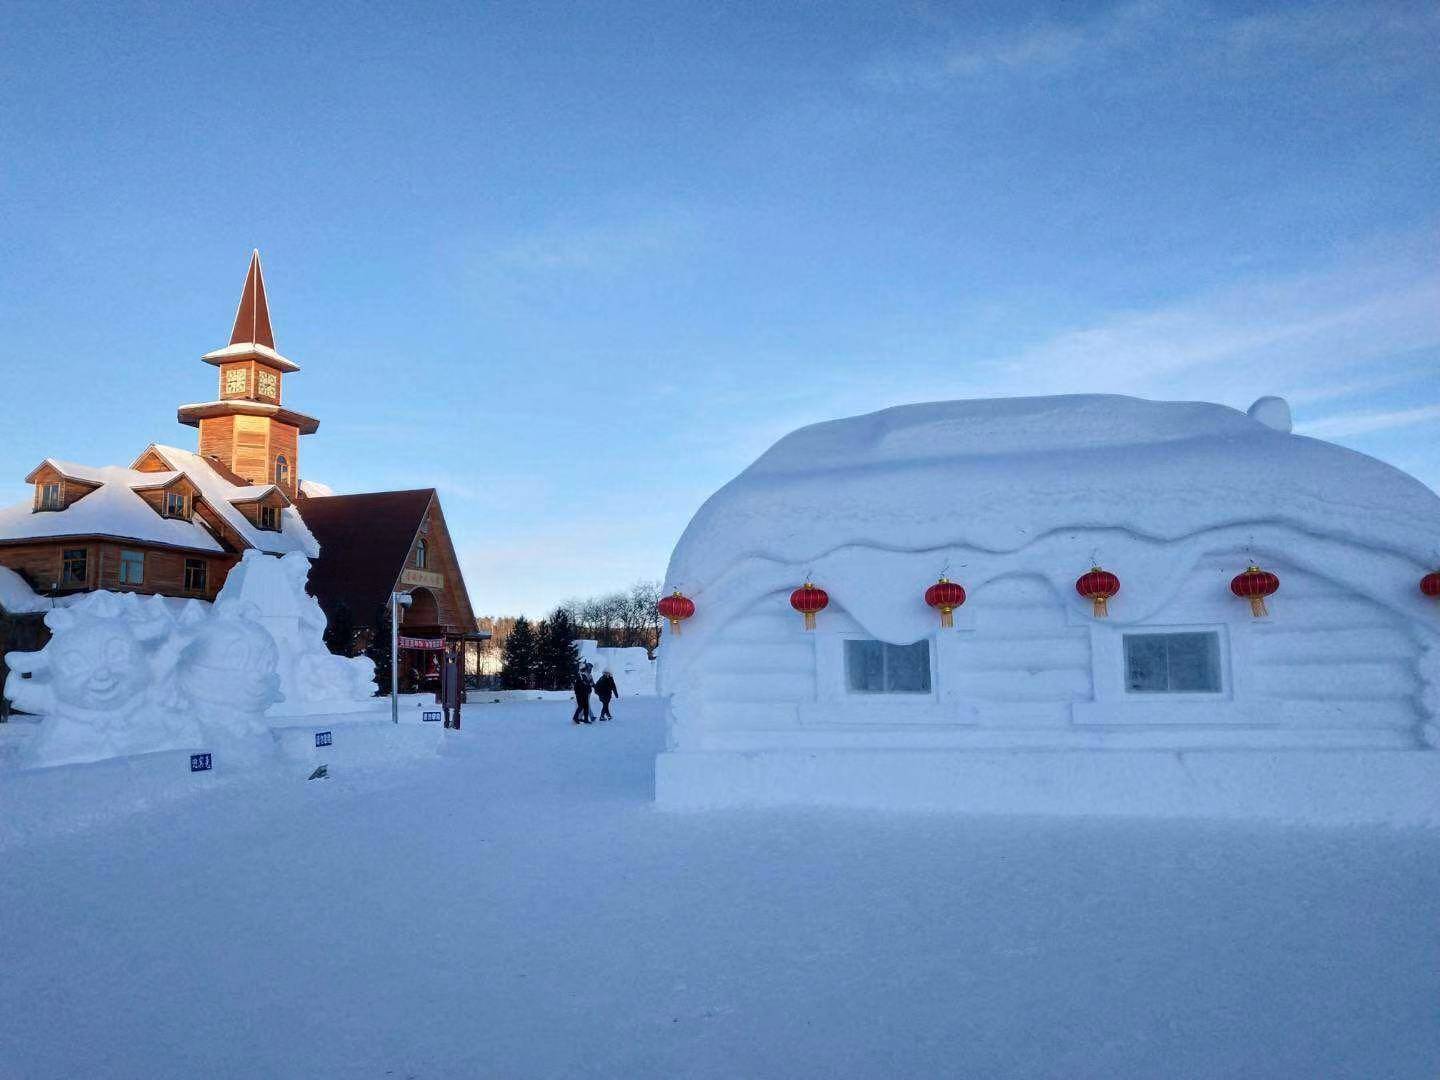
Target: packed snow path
516,907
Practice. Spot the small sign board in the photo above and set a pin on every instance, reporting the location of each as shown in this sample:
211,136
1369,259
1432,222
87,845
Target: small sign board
420,644
323,738
432,716
199,762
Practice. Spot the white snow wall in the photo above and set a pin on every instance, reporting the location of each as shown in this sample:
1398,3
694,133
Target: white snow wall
1027,666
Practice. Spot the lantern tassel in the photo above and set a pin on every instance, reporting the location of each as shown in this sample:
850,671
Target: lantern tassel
947,617
675,627
1258,608
809,620
1102,609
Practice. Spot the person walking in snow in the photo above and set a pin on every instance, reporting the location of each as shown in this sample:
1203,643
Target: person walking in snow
606,689
452,685
583,685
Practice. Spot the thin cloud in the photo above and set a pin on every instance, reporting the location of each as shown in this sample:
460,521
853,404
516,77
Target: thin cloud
597,246
1154,33
1363,423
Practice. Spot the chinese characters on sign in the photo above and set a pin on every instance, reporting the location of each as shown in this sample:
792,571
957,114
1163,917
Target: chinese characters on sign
199,762
323,738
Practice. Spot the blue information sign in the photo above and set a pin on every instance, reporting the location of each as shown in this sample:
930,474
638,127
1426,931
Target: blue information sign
322,738
436,716
199,762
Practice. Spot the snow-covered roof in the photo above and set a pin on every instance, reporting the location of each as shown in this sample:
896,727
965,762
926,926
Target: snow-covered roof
18,598
986,485
114,508
244,350
315,489
221,495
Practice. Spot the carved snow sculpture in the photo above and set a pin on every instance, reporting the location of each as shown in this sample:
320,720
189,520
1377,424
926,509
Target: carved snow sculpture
94,682
312,679
1181,703
125,674
227,672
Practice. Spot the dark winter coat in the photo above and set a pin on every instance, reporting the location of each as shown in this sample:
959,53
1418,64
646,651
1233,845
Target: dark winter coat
583,685
606,687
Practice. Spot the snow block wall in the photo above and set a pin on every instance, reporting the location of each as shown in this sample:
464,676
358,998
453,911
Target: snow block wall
125,674
1014,500
633,669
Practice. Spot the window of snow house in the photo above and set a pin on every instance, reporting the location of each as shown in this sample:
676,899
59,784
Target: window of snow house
282,471
422,554
74,566
195,575
877,667
176,505
1172,663
132,568
270,518
49,496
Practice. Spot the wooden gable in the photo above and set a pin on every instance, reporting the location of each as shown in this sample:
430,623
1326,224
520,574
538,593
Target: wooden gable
440,576
72,489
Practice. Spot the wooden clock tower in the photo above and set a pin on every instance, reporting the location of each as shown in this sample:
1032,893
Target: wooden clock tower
247,428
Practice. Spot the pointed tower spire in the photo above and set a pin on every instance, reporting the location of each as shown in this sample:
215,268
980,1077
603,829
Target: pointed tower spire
252,319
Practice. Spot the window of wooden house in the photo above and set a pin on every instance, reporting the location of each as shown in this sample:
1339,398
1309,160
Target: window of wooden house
47,496
1172,663
196,577
422,555
270,518
877,667
282,471
176,505
75,566
132,568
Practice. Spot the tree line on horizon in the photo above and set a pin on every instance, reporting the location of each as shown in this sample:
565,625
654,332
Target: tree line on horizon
541,655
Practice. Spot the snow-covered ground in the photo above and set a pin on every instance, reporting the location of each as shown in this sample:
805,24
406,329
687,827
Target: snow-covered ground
515,906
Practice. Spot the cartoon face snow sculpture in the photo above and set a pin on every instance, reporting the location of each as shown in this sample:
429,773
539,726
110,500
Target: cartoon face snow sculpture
92,681
227,672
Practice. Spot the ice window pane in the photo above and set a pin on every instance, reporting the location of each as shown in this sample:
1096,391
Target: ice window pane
1145,666
1194,663
907,668
865,666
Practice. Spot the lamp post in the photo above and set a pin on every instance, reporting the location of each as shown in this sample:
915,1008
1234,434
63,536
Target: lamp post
397,601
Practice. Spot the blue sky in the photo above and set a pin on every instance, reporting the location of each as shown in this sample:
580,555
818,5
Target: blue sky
577,265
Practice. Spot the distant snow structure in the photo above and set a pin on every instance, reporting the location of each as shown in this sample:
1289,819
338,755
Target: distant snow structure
1184,702
313,489
17,598
124,674
633,669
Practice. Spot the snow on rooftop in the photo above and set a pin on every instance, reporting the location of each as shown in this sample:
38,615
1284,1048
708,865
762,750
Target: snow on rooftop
112,509
251,348
316,490
18,598
1036,485
220,494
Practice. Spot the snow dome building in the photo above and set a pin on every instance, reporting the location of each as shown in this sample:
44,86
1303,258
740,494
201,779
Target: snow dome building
1179,700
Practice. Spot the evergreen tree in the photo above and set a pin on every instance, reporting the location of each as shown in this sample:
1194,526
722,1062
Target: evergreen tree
378,649
557,653
340,631
520,657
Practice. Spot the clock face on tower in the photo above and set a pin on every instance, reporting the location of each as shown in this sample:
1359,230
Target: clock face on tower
268,384
237,381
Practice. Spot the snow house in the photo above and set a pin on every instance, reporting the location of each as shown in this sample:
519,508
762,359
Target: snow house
1154,608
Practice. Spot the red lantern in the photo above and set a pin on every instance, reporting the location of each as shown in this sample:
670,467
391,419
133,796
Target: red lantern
947,596
808,599
1255,585
1430,585
677,609
1098,586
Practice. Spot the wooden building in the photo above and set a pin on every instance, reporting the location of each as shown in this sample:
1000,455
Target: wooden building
175,521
